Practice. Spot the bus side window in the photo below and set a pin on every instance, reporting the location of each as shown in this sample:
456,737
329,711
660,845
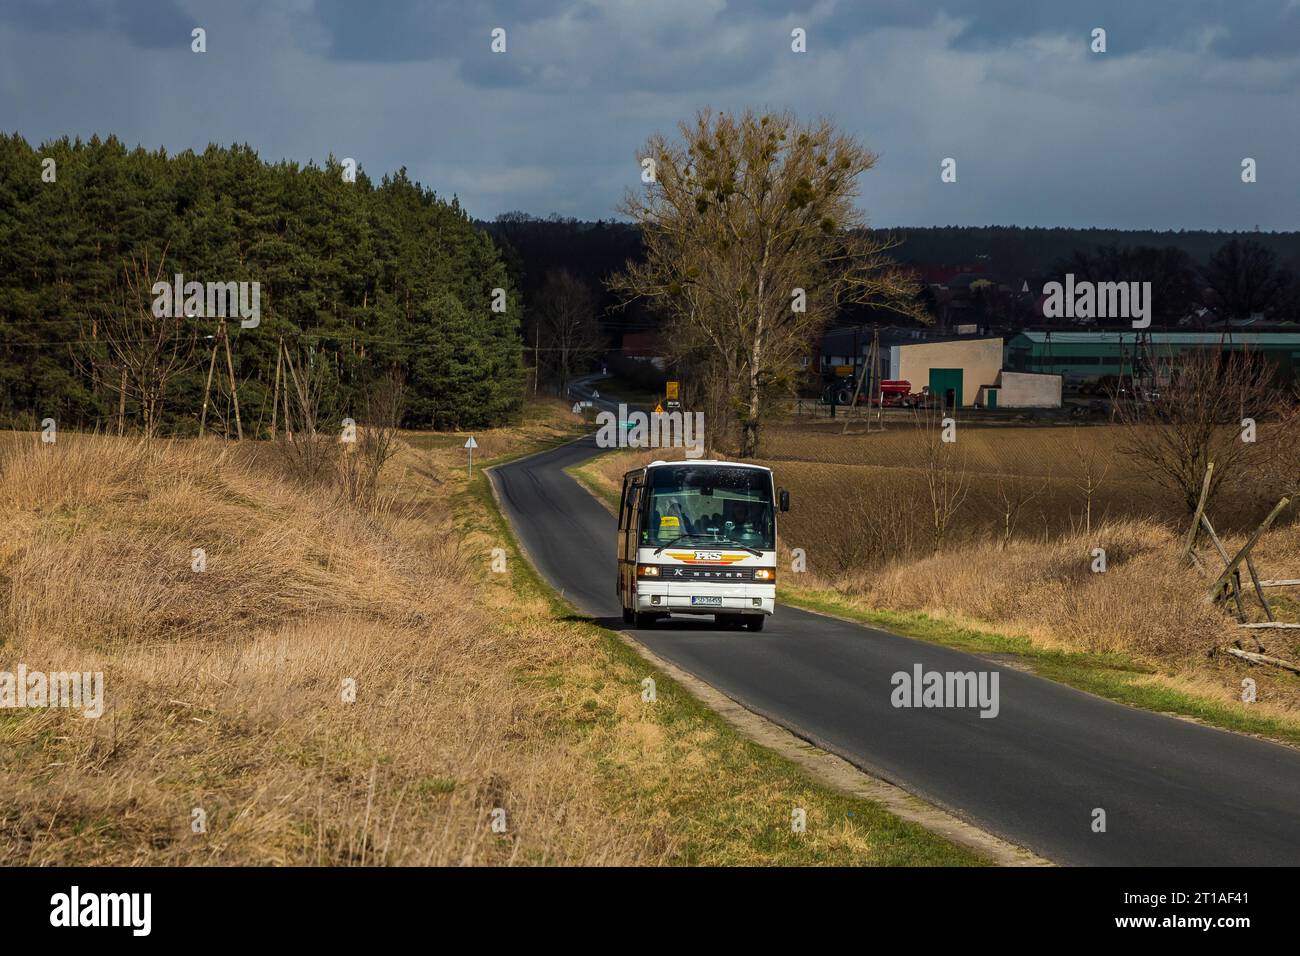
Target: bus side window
622,507
633,504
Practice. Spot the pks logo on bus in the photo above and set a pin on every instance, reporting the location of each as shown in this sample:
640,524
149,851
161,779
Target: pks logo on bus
706,557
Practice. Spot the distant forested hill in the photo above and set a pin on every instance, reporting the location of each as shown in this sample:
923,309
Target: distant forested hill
595,250
1012,252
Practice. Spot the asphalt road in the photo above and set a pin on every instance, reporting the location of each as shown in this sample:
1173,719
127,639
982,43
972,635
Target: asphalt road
1173,792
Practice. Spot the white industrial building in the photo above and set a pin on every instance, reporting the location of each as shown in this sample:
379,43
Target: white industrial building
1021,390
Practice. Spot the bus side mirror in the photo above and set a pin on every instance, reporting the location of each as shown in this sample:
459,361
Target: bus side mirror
784,498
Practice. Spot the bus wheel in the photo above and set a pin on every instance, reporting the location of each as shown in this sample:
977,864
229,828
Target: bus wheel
755,622
627,616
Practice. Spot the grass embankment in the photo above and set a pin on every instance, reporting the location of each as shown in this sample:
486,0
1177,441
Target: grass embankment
475,689
1139,633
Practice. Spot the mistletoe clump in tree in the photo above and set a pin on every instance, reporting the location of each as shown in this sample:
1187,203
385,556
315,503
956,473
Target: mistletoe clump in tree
753,241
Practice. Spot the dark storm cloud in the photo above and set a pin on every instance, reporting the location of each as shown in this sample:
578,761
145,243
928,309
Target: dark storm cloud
421,29
146,24
398,30
1223,27
1151,134
1229,28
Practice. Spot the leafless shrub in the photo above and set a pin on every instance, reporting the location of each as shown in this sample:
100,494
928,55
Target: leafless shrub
873,533
376,440
1196,418
711,394
308,454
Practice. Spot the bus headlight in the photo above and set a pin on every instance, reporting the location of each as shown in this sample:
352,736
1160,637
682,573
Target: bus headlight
647,570
766,575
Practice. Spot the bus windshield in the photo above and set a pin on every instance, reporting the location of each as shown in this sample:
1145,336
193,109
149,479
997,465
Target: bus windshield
706,504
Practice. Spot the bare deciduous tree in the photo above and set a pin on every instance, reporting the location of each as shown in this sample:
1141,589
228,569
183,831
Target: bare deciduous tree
1198,416
1016,493
1243,278
943,469
140,353
1091,471
753,241
565,326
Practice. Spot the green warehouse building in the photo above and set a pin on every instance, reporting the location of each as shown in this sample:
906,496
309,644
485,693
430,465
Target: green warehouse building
1080,357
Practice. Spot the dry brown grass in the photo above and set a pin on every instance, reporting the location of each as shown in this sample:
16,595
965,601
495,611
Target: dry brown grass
1061,456
100,534
224,688
1143,604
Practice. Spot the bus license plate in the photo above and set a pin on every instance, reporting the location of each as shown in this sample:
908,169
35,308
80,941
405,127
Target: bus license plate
706,601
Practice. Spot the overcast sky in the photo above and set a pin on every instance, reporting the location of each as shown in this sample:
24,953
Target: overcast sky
1149,134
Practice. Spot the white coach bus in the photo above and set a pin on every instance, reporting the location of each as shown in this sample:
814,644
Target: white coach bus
698,537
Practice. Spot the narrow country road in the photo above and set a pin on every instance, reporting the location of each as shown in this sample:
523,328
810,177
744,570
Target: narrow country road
1173,792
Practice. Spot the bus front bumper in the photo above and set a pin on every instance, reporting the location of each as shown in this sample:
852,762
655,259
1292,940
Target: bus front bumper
673,599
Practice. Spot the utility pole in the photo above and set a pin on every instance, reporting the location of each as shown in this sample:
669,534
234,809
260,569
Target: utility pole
207,389
121,406
284,394
870,372
234,392
275,394
876,378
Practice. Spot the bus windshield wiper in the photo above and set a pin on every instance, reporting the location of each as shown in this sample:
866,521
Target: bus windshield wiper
744,547
736,544
684,537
